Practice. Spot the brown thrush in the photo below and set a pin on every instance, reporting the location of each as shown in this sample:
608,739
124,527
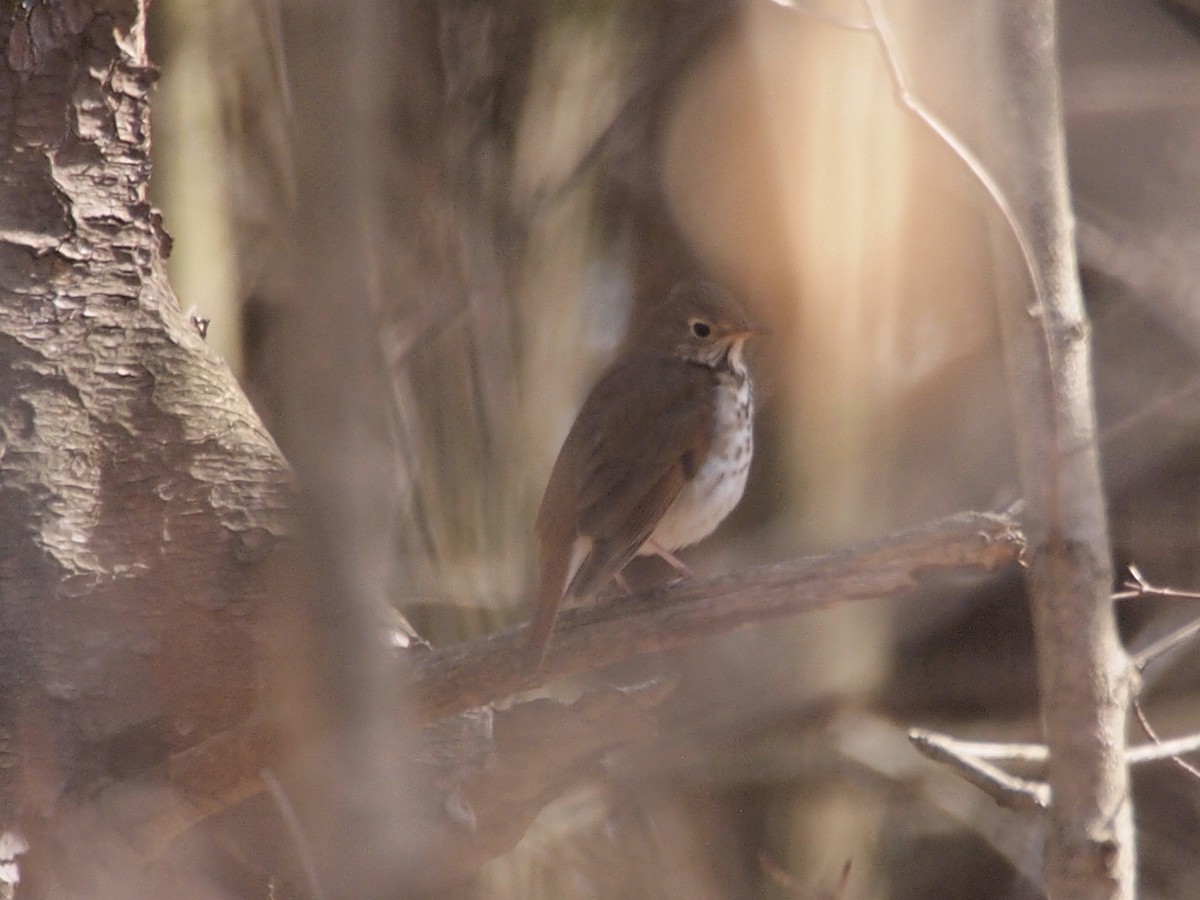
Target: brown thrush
658,455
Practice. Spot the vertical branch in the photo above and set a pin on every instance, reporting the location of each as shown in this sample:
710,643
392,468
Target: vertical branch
1083,671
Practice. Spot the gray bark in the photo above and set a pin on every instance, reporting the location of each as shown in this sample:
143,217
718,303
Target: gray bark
1083,672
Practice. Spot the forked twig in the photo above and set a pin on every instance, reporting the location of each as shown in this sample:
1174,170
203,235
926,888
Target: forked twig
1137,585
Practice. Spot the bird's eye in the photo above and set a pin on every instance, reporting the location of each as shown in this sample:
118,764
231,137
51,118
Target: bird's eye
700,328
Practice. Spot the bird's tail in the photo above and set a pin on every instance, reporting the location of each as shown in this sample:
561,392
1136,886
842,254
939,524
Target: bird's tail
545,613
560,568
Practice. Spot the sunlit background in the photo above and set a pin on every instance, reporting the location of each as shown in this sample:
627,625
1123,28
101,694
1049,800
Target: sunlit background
418,229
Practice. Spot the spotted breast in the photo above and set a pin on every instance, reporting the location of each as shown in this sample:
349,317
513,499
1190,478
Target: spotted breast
720,481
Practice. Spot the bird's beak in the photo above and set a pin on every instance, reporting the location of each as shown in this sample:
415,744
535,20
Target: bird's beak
749,331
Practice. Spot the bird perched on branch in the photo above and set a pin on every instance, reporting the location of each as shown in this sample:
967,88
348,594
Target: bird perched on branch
658,455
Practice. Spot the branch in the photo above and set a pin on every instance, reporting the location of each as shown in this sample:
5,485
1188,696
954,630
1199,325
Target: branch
457,678
907,98
1008,790
1084,674
976,763
1037,754
1167,644
1170,749
1136,585
155,808
1176,757
882,749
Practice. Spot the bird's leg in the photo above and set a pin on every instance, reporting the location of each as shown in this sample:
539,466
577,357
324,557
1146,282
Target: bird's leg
675,562
619,578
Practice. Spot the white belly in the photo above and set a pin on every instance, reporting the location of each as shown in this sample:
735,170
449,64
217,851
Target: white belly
715,491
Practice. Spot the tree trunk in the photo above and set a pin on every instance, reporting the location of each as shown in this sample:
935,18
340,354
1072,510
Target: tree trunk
139,493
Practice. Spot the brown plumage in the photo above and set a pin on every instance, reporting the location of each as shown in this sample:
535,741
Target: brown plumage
657,455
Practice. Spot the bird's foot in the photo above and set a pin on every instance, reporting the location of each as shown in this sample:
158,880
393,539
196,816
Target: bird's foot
674,561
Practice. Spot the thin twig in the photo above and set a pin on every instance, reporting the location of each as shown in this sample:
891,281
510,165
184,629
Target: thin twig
1136,585
992,751
1166,644
881,27
1037,754
1160,750
1153,735
1012,791
914,104
884,750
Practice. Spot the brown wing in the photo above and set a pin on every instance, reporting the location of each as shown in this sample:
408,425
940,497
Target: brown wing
639,456
619,470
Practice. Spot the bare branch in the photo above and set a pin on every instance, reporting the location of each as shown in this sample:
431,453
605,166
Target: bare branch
1136,585
981,173
155,808
1008,790
1140,714
1085,678
994,751
1160,750
1036,754
974,762
880,747
1083,672
484,671
1166,644
880,25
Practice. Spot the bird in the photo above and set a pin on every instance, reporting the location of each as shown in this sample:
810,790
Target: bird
657,456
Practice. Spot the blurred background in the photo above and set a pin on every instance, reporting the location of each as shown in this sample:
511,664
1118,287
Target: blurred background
418,229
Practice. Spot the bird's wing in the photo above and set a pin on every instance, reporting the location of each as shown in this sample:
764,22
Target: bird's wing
616,475
637,459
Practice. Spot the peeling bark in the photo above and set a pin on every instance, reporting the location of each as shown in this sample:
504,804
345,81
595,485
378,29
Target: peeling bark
139,493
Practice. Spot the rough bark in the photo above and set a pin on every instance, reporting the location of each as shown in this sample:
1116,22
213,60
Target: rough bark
139,493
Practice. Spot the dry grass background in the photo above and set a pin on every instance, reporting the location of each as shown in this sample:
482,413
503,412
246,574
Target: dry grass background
435,217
